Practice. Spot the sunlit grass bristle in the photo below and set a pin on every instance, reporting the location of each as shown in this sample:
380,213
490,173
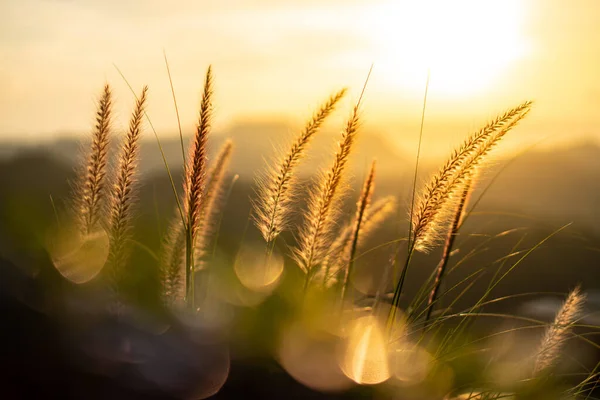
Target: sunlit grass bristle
448,245
277,187
177,261
123,190
350,249
90,186
437,201
558,332
195,179
196,170
213,196
173,263
323,204
375,215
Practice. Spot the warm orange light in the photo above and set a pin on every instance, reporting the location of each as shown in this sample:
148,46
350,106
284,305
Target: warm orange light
310,356
366,357
257,270
409,362
79,258
466,44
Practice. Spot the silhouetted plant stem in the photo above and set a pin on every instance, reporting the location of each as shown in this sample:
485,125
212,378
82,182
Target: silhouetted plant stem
307,281
399,286
398,289
363,203
269,247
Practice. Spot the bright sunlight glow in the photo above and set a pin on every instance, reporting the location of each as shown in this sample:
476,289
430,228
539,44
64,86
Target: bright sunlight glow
466,44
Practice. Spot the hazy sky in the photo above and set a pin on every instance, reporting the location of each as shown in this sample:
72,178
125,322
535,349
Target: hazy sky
282,57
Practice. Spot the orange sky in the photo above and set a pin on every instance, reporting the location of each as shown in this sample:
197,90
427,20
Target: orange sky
282,57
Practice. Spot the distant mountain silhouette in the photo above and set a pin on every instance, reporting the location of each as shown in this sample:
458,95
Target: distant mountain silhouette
557,185
553,185
254,142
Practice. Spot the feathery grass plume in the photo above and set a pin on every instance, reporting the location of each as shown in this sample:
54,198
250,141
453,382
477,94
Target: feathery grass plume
557,333
195,179
323,201
375,214
215,189
174,247
435,205
123,191
90,190
442,193
456,223
214,194
172,269
276,188
350,249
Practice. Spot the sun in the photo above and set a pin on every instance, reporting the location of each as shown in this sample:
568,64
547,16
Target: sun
465,44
